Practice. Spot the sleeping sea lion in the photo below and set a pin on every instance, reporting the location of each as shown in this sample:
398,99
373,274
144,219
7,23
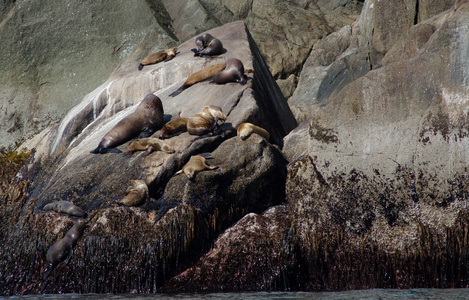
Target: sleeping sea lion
196,164
136,195
143,122
173,127
63,249
204,74
246,129
162,55
66,207
207,45
233,71
206,122
149,144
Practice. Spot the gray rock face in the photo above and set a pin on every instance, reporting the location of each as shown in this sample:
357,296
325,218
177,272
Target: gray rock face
55,53
384,173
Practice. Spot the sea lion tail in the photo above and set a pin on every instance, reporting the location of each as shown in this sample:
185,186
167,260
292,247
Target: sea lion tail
179,172
140,67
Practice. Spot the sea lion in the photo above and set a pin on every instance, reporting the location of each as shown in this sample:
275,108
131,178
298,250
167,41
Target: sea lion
207,45
199,76
196,164
173,127
149,144
233,71
66,207
136,195
206,122
155,58
143,122
63,249
246,129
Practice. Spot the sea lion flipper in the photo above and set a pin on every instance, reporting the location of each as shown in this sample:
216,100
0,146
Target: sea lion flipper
206,155
109,150
96,151
176,92
47,270
69,255
140,67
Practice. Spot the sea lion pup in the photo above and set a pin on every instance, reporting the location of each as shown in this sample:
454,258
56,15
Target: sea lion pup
136,195
143,122
66,207
199,76
155,58
207,45
149,144
206,122
246,129
196,164
63,249
233,71
173,127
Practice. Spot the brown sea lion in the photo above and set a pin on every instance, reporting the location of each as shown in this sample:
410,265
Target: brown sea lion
199,76
162,55
66,207
143,122
233,71
207,45
196,164
136,195
63,249
149,144
173,127
206,122
246,129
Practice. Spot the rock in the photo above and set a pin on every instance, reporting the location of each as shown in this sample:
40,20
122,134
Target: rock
182,216
58,53
384,176
257,254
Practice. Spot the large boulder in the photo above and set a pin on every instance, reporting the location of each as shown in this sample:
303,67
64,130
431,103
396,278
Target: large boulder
384,177
182,215
257,253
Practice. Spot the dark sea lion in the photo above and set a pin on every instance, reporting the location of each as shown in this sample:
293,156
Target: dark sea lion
206,122
149,144
143,122
173,127
207,45
162,55
136,195
196,164
246,129
233,71
66,207
63,249
204,74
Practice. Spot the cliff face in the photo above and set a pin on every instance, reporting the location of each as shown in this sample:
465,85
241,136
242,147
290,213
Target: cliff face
370,186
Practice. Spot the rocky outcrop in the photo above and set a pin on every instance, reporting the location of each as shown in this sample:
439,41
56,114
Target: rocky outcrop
383,179
183,214
257,253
